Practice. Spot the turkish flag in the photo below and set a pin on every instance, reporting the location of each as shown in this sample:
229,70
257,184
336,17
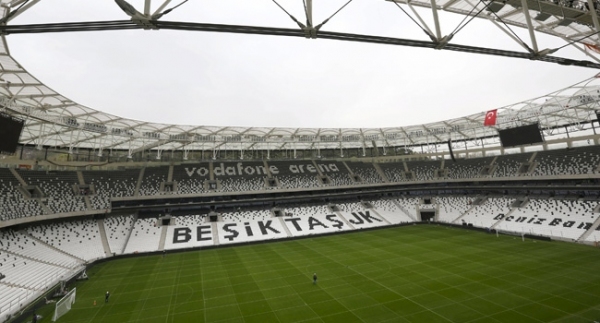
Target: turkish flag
490,118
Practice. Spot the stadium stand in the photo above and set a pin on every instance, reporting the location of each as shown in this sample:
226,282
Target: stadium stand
192,231
409,205
389,210
235,177
308,220
483,215
12,299
424,170
246,216
190,178
509,165
290,175
12,203
79,238
38,256
58,188
393,171
144,237
579,5
554,218
366,171
19,243
337,172
467,168
247,226
28,273
582,160
452,207
152,180
117,230
594,237
109,184
360,217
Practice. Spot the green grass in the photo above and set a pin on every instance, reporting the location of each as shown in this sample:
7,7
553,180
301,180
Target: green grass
405,274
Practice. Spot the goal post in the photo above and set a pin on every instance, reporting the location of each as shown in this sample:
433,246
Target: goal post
64,304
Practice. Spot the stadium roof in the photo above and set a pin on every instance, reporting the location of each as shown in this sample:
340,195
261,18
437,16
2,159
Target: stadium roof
56,121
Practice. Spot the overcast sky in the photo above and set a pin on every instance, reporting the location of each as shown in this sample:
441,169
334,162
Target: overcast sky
248,80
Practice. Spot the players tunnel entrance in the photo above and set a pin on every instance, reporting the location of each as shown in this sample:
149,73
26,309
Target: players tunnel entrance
427,216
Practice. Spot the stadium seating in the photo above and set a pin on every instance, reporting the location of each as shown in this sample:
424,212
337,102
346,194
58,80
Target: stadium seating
298,220
246,216
191,220
393,171
190,178
389,210
38,256
483,215
423,170
583,160
117,230
289,175
109,184
554,218
575,4
235,177
28,273
594,237
338,175
409,204
13,299
360,217
366,171
12,203
247,226
241,184
194,231
452,207
153,177
79,238
508,165
58,188
145,236
467,168
19,243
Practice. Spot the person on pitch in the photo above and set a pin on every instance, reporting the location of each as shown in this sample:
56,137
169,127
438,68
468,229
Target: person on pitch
314,278
106,297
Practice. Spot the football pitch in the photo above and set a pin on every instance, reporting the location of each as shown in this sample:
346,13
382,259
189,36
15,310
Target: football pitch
420,273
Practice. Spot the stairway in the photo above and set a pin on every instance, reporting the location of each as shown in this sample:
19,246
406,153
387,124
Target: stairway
215,233
287,231
163,237
139,182
129,234
381,173
462,215
398,205
105,244
589,231
506,215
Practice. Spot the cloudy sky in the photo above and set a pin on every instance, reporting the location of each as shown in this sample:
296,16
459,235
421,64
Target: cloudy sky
248,80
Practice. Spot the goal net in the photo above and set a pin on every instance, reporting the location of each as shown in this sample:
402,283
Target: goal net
64,304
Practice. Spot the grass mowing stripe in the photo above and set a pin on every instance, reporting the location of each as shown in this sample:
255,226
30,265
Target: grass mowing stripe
421,273
370,279
308,278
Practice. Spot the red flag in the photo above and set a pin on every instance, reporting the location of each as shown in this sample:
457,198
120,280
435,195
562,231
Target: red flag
490,118
592,47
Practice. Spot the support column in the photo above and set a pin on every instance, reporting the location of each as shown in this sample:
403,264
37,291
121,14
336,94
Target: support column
525,8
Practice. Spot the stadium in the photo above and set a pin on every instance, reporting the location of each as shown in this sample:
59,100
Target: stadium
486,216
